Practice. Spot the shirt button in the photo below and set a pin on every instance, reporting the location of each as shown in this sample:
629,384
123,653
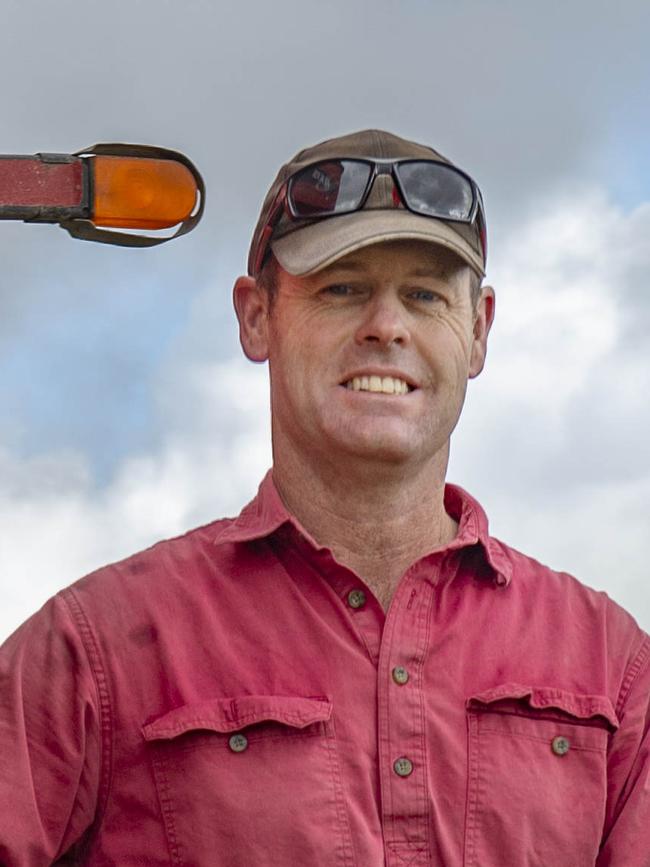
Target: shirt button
400,675
560,746
356,598
238,743
403,767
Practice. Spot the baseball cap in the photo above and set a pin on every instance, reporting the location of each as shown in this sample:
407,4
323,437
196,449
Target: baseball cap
305,246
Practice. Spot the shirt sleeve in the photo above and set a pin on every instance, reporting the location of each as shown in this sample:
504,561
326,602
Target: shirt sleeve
50,739
626,841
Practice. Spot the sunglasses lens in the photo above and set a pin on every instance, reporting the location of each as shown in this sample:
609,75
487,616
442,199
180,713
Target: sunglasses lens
436,190
332,187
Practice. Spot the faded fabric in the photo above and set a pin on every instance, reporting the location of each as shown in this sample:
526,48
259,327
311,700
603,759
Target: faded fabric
217,701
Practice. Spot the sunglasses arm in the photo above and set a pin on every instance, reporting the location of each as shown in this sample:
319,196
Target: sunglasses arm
275,213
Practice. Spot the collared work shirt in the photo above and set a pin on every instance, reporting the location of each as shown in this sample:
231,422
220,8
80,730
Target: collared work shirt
237,698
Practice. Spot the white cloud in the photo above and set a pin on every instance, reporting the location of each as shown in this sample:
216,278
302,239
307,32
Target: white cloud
56,526
553,439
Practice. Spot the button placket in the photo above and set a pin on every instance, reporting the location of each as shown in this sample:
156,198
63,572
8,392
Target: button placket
401,720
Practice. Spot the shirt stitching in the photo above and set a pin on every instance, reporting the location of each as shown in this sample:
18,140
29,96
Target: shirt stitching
384,712
542,740
425,630
237,724
259,736
346,845
471,796
479,796
101,683
410,855
643,656
167,808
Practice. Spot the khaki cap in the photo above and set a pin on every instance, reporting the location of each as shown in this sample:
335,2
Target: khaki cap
306,246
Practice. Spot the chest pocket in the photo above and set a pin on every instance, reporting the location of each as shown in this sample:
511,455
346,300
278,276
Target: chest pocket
537,776
252,780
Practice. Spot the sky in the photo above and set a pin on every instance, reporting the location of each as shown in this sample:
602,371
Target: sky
127,411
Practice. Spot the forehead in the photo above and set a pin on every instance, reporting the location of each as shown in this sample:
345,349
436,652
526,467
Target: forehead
419,258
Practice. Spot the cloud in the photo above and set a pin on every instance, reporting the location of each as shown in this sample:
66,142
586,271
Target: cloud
56,524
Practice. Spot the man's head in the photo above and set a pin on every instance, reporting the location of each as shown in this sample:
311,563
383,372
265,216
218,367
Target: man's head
361,189
374,319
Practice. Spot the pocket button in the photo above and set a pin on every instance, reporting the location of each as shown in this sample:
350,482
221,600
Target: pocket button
238,743
560,746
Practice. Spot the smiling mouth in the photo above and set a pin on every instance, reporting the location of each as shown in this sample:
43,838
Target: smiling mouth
378,385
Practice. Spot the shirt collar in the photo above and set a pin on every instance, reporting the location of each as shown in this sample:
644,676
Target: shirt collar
473,530
266,513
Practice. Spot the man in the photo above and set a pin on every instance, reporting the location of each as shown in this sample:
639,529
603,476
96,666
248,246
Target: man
352,672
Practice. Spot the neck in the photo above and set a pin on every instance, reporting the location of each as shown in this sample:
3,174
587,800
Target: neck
376,519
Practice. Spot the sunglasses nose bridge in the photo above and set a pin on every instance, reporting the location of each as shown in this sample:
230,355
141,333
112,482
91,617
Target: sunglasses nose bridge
384,192
381,194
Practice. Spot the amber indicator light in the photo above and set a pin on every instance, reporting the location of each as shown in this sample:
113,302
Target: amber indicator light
140,193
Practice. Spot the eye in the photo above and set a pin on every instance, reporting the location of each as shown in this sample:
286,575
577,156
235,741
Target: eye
425,295
341,290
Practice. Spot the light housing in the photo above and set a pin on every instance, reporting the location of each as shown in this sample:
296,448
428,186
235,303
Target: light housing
116,186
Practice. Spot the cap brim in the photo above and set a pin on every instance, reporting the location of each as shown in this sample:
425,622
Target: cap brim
314,247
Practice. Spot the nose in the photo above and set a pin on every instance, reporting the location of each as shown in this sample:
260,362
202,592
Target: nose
383,323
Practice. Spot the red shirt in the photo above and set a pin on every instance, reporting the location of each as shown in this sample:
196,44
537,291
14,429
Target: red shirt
237,698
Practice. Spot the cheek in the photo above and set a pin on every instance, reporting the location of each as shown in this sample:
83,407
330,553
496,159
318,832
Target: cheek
291,372
447,347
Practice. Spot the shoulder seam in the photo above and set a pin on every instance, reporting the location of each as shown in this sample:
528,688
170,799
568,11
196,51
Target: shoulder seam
642,658
105,708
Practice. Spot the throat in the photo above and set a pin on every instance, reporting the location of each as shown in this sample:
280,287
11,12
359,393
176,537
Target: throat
376,526
381,559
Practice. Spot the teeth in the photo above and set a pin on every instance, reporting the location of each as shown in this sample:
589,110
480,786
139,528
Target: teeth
385,384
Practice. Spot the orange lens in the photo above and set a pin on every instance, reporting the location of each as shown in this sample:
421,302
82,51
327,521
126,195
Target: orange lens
141,193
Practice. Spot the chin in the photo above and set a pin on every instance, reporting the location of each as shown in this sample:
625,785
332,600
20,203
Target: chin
385,449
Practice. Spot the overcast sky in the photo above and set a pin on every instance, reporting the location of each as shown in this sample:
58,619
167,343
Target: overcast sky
127,412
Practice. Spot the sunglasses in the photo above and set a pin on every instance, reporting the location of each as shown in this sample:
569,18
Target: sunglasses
331,188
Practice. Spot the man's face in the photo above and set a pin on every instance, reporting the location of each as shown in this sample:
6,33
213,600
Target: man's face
394,316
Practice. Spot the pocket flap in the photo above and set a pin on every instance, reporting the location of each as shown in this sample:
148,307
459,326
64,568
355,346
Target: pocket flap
231,714
583,707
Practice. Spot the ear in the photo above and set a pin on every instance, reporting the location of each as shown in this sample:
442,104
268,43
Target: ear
251,307
484,317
